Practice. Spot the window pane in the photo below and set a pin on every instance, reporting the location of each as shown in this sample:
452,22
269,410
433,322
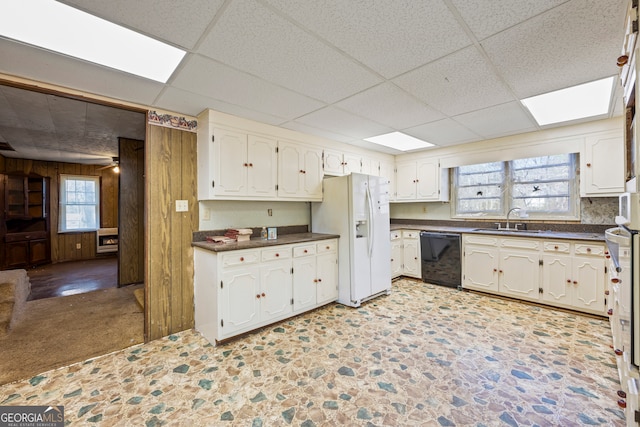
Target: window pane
541,190
478,205
553,205
79,203
481,168
542,174
478,179
479,192
545,161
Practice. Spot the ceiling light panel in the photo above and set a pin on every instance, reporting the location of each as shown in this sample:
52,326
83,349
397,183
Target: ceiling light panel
60,28
574,103
399,141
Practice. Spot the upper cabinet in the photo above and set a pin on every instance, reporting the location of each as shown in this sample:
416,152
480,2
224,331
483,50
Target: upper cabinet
421,180
602,165
299,171
339,163
236,165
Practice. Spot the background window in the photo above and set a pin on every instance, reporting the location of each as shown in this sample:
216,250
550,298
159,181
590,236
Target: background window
79,203
544,186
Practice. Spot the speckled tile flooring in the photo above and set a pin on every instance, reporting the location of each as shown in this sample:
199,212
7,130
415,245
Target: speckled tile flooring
424,355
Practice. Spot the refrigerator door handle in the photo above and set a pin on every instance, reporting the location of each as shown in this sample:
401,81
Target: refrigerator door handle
370,222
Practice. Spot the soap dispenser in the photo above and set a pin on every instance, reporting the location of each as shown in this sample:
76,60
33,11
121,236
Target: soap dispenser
263,233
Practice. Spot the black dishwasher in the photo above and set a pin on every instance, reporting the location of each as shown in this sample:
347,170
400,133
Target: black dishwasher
440,259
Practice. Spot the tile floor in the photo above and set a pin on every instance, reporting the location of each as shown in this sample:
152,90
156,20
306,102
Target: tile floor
424,355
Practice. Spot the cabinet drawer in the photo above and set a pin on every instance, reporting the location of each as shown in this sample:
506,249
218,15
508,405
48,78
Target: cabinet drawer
18,237
237,258
279,252
326,246
563,247
410,234
587,249
524,243
304,250
395,235
480,240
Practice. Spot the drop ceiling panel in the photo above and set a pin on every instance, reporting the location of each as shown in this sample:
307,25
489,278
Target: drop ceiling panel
567,39
164,20
500,120
194,103
111,123
456,84
218,81
343,122
25,110
41,65
252,38
301,127
443,133
389,36
390,106
488,17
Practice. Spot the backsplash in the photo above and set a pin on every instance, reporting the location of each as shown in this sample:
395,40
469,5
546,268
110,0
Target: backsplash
598,210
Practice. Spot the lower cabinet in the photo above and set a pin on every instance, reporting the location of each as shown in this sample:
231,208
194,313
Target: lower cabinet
396,254
411,254
567,274
241,290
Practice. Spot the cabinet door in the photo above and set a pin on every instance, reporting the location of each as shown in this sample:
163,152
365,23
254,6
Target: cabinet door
262,161
556,279
602,165
16,254
369,166
387,170
406,181
428,180
351,164
481,268
38,252
520,273
290,169
411,258
327,273
15,197
312,175
230,157
332,163
305,282
276,289
588,291
396,258
239,299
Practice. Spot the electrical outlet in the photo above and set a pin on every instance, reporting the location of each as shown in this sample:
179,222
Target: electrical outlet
424,209
78,245
182,205
206,214
270,212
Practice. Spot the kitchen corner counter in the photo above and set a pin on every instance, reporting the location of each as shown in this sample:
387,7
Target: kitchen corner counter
545,234
257,242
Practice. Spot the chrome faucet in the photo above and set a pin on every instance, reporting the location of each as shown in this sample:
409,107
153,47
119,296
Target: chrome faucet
509,213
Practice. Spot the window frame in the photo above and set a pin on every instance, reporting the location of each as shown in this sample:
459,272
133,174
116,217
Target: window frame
62,204
507,196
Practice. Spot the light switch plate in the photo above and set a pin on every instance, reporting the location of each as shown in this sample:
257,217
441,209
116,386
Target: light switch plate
182,205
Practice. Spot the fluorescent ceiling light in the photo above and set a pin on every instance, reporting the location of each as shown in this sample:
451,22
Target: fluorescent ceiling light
577,102
399,141
63,29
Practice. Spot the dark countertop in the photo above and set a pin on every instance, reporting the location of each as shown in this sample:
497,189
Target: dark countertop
257,242
545,234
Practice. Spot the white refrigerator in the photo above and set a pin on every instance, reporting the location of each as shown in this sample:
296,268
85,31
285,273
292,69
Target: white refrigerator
356,207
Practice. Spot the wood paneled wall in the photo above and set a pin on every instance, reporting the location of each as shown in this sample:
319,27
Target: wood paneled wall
64,246
170,163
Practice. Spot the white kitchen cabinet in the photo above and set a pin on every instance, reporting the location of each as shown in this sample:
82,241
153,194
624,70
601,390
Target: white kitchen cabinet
396,254
369,166
563,273
339,163
387,170
573,276
602,165
327,271
421,180
299,171
236,165
481,256
241,290
411,254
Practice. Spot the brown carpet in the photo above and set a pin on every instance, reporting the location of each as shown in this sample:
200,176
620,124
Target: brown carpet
55,332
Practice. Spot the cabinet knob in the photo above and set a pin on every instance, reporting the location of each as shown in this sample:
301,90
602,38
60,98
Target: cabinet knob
622,403
305,251
315,280
555,247
615,280
622,60
588,165
606,292
575,282
622,394
568,280
328,247
610,312
246,164
263,295
495,269
258,296
277,255
319,280
618,352
241,258
608,256
500,271
588,249
250,164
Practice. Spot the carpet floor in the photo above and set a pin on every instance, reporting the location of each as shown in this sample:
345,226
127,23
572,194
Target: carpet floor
55,332
422,356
